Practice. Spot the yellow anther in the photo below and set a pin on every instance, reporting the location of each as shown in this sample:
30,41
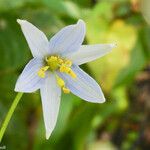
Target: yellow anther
41,72
72,74
68,63
65,90
60,61
63,68
60,81
53,58
67,70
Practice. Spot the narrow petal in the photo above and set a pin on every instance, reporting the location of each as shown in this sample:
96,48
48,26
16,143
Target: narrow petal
68,39
83,86
36,39
29,81
50,94
88,53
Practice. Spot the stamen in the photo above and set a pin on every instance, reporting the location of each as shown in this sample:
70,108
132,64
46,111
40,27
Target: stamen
63,68
67,70
72,74
41,72
63,65
53,58
60,61
61,83
68,63
66,90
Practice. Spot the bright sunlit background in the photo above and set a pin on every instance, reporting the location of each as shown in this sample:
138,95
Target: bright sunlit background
122,123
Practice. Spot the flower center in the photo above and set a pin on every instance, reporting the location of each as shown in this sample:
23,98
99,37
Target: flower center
56,63
53,62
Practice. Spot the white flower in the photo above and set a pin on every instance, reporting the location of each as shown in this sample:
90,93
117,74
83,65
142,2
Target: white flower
55,67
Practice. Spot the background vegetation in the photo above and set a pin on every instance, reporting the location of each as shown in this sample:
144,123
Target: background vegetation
120,123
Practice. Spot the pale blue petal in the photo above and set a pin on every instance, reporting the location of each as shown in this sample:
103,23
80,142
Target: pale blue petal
29,81
68,39
84,86
50,94
36,39
88,53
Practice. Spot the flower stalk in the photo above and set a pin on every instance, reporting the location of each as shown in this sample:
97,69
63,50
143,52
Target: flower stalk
9,114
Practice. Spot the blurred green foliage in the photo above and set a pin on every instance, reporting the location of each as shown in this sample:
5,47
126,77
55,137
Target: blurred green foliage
81,125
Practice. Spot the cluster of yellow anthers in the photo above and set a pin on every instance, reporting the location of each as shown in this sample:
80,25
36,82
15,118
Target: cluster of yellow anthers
54,63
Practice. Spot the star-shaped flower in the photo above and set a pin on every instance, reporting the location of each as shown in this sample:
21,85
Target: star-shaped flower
55,68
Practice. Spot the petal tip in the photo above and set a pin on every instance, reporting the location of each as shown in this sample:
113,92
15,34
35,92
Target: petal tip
20,21
80,21
103,100
99,100
114,45
48,133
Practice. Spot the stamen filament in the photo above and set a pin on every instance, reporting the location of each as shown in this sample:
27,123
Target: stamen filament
67,70
72,74
41,72
60,81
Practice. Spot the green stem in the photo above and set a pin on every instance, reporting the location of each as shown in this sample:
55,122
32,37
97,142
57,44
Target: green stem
9,115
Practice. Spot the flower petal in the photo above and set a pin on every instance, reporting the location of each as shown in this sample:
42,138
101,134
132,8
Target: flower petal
83,86
36,39
50,94
29,81
68,39
88,53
